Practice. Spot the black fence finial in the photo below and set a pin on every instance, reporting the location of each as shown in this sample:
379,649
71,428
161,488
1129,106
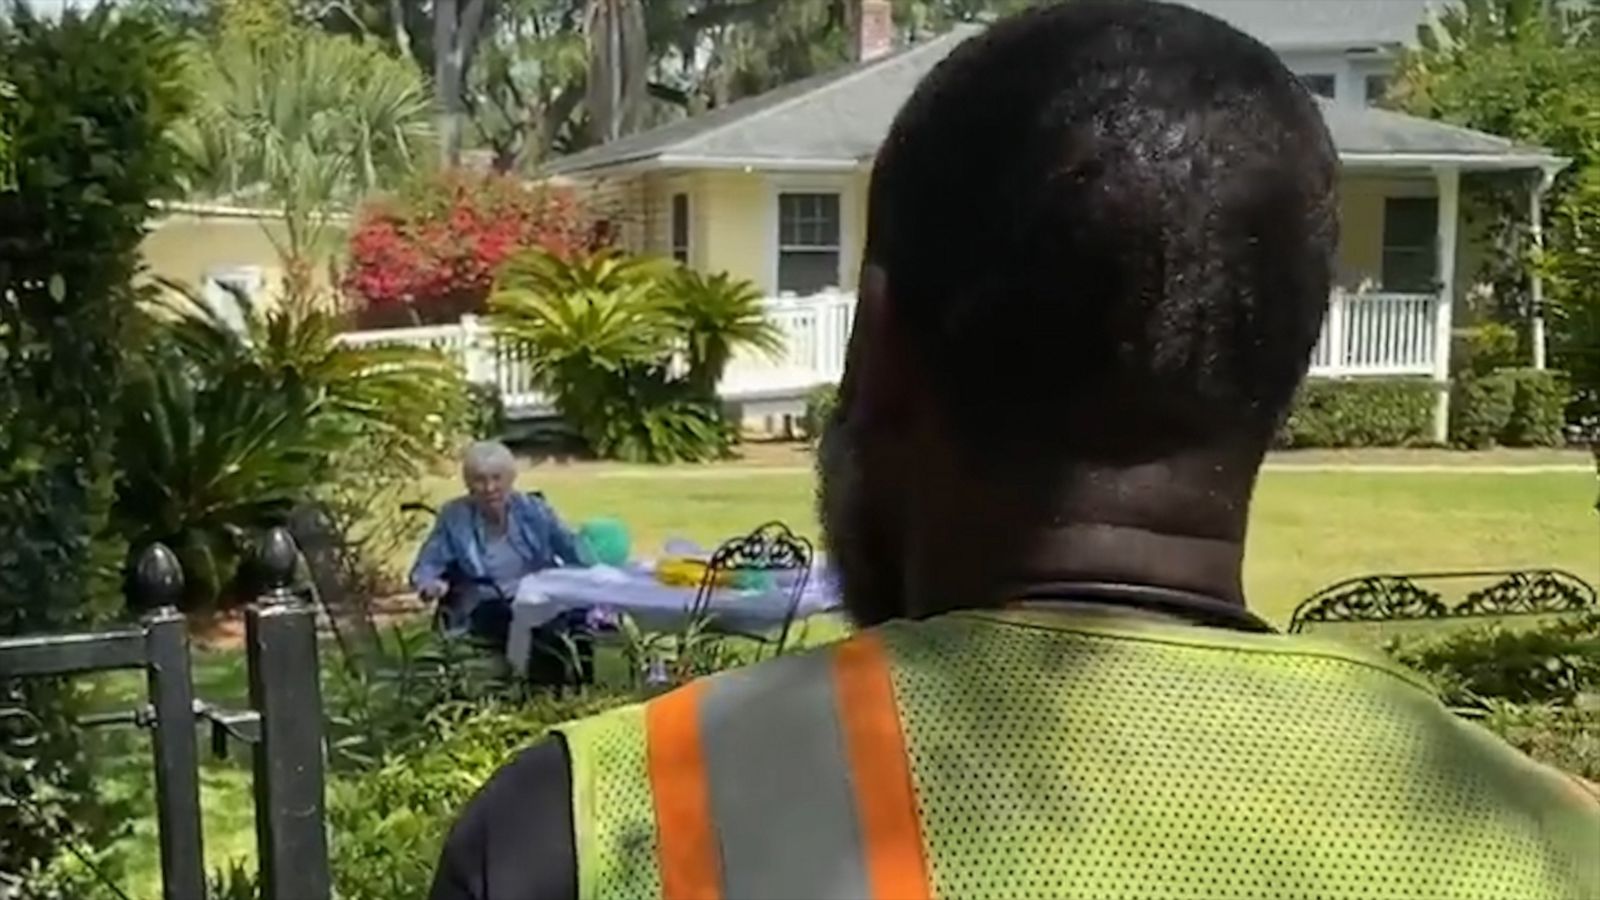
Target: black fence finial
275,560
158,578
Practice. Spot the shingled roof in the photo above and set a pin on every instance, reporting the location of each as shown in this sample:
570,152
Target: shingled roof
835,121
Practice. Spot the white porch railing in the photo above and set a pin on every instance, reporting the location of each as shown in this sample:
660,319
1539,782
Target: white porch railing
1378,334
1364,334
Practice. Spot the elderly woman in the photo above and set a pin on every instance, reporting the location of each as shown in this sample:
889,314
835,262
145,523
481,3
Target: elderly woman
485,542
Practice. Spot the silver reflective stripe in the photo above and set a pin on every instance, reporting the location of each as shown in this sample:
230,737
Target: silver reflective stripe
781,798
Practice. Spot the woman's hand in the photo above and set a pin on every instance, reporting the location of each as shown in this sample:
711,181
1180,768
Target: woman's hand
433,590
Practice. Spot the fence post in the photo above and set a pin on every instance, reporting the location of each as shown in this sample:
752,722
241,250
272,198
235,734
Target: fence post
158,579
478,357
1338,305
280,633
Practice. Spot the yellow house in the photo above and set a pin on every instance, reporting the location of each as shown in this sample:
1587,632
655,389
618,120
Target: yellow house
773,188
210,245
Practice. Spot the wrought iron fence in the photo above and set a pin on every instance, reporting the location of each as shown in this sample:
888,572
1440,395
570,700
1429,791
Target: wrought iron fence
283,725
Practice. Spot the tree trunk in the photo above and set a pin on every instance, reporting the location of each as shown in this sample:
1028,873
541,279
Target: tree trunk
447,82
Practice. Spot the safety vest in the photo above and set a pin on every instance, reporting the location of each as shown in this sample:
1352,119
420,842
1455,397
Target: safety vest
1019,754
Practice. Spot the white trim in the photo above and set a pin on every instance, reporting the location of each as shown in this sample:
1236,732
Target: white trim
1449,222
1376,160
1536,325
837,184
1462,161
175,208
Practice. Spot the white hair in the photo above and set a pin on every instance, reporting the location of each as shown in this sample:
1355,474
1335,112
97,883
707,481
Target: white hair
486,457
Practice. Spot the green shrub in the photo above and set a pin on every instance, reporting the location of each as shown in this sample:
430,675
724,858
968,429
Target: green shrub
1567,737
1554,662
819,409
1377,412
631,349
1532,686
223,433
486,412
1538,409
388,823
1480,409
91,99
1483,349
1510,407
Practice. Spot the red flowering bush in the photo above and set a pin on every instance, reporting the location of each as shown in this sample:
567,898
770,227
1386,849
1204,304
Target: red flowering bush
430,254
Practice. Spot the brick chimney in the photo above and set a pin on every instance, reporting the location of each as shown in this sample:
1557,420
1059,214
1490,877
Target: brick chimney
873,29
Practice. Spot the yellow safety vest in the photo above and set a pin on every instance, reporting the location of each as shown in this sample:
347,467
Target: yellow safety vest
1023,754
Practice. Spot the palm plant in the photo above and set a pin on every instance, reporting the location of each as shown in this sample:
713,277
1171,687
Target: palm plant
715,315
202,464
602,340
307,120
224,431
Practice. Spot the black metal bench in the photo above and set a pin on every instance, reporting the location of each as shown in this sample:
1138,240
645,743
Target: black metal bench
1427,596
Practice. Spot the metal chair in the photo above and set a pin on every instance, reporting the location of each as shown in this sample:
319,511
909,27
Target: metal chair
1421,597
771,548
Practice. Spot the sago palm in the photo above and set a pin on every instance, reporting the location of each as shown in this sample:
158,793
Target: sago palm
715,316
224,430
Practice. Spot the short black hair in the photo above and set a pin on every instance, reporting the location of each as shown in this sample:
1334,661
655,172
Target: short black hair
1108,227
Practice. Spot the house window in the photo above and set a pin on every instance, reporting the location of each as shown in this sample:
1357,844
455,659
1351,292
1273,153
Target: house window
1377,89
1321,85
808,243
680,228
1410,244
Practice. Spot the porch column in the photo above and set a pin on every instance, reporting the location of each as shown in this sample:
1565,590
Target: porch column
1541,185
1449,217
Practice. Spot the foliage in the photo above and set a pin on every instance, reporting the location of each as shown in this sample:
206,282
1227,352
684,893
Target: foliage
1511,407
486,412
1573,274
388,823
304,121
430,254
1533,686
1538,408
1484,348
609,335
1375,412
1553,662
714,314
90,98
1564,736
1480,409
237,881
820,404
224,431
1529,70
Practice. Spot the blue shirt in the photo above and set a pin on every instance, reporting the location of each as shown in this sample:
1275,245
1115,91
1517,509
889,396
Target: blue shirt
457,550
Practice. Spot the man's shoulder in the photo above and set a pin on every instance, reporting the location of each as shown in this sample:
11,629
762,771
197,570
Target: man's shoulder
515,838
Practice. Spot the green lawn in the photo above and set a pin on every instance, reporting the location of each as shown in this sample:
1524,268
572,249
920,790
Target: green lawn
1311,526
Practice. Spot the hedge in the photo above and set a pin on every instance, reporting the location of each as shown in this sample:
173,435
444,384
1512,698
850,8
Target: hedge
94,98
819,408
1509,407
1375,412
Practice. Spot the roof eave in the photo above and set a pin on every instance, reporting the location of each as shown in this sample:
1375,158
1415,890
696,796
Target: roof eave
669,160
1482,162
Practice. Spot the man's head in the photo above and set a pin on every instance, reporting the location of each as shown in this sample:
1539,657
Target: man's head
1099,249
490,472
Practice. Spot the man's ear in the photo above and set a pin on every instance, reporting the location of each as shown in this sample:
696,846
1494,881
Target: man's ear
877,365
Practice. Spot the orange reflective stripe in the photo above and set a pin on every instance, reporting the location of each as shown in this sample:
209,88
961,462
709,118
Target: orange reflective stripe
687,846
886,803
